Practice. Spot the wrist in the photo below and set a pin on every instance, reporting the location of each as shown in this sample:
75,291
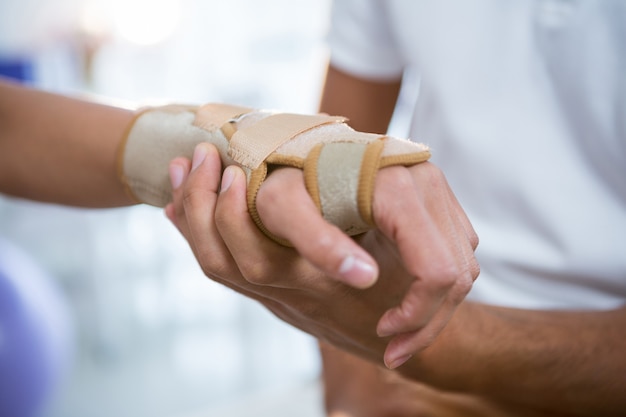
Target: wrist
453,361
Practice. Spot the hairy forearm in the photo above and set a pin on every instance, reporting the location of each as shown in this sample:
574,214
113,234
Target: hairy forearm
563,363
59,149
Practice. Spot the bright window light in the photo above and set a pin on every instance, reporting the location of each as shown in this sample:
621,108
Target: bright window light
146,22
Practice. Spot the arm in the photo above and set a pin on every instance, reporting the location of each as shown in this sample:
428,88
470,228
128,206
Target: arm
571,361
558,362
368,105
413,207
58,149
527,363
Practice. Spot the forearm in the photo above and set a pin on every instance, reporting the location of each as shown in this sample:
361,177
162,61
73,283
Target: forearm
569,363
59,149
368,105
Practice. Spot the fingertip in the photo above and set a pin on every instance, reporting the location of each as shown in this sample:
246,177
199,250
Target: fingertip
227,178
385,325
176,175
357,272
233,176
395,362
397,352
199,155
177,172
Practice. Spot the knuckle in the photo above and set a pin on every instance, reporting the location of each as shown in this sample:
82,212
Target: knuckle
407,315
392,182
446,275
214,265
464,286
474,269
270,191
473,239
190,197
256,273
406,312
399,182
453,280
322,243
433,174
323,249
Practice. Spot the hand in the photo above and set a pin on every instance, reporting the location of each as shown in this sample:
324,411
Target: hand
439,258
478,350
277,276
416,210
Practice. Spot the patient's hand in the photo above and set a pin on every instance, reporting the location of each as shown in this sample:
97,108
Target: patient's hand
423,248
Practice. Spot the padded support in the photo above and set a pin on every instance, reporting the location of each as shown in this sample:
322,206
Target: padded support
339,164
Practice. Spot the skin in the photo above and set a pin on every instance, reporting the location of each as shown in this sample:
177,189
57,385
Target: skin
486,361
60,150
553,332
518,362
68,155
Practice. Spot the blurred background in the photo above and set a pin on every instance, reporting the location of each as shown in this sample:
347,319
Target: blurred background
128,320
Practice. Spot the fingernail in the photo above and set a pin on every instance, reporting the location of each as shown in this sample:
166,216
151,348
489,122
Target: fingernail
199,154
384,330
394,363
176,175
227,179
386,323
358,272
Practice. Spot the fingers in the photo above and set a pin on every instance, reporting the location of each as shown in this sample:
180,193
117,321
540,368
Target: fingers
179,170
258,258
402,346
471,234
195,194
436,246
287,210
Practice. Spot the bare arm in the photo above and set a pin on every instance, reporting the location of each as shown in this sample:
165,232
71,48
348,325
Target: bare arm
58,149
563,363
520,362
368,105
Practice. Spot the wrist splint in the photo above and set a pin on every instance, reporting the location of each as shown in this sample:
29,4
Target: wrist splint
339,164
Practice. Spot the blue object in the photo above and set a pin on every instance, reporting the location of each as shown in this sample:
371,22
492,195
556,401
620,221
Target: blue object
35,335
20,69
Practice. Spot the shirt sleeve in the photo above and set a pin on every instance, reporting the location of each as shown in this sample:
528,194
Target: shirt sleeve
361,41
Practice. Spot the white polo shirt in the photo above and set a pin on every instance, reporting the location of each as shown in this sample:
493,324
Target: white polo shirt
524,105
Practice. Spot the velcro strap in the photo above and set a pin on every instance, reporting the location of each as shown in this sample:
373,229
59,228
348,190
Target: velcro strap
337,178
252,145
212,116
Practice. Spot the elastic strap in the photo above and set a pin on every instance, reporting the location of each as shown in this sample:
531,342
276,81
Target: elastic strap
212,116
252,145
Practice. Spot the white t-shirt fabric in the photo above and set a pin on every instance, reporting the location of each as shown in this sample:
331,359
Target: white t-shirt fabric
524,106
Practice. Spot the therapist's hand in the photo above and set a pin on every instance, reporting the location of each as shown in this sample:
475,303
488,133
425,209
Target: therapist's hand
277,276
424,241
415,209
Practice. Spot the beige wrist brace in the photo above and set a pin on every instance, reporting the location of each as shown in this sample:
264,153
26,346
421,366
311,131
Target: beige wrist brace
339,163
